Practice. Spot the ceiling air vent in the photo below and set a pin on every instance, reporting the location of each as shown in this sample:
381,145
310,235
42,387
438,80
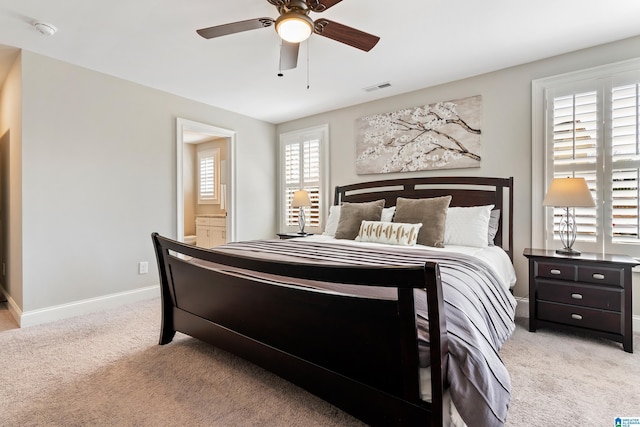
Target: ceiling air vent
378,86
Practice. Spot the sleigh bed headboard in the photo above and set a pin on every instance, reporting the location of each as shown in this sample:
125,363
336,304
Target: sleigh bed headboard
464,191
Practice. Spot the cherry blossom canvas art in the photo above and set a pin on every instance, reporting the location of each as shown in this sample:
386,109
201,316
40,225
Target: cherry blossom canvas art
444,135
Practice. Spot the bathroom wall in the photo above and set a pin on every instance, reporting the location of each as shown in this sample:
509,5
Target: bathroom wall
190,192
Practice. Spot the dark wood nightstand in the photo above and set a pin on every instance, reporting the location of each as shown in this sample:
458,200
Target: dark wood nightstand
586,293
284,236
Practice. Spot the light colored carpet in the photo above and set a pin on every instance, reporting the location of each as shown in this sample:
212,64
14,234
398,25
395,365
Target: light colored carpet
571,380
106,369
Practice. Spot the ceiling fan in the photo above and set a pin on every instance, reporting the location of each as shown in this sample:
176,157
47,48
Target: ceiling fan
294,26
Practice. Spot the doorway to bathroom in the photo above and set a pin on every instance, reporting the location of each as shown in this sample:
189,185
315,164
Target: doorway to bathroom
205,183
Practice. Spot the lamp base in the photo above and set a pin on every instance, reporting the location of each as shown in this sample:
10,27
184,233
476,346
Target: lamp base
568,251
301,221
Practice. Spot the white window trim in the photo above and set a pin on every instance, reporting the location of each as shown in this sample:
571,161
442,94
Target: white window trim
539,128
322,132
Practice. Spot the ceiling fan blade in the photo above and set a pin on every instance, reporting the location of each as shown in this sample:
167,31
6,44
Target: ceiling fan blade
289,55
322,5
347,35
234,27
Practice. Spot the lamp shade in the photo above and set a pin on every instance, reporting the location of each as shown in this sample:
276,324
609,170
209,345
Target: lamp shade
569,192
300,199
294,27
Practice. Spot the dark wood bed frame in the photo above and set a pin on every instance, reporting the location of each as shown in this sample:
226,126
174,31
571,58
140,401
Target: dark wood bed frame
369,369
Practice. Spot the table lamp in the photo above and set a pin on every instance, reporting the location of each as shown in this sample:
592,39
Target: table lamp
568,193
301,200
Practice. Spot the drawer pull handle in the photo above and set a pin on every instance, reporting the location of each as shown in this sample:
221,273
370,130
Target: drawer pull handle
598,276
576,316
554,271
576,296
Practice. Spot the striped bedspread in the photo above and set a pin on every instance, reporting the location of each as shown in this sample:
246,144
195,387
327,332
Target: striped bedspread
479,314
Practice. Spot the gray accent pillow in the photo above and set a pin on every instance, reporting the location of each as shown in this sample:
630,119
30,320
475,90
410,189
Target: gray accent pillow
432,213
352,215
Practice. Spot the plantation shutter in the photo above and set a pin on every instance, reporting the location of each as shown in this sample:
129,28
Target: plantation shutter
303,158
594,132
302,172
206,177
575,153
625,162
293,161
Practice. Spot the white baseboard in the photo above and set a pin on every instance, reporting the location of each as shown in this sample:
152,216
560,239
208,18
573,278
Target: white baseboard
76,308
522,310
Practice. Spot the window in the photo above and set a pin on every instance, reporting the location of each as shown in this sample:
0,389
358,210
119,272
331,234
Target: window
208,176
304,166
591,125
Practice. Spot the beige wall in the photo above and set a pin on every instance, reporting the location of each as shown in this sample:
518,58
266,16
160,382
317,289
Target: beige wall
98,173
190,190
506,130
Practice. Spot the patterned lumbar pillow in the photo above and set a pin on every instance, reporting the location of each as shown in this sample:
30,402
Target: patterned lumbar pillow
392,233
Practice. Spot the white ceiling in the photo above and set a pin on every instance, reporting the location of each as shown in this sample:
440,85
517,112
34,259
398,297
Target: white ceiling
423,43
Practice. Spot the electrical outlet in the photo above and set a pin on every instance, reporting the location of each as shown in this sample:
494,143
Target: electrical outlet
143,267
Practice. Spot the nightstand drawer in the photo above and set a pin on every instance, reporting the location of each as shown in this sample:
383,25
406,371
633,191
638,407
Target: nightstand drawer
601,320
557,271
601,275
584,296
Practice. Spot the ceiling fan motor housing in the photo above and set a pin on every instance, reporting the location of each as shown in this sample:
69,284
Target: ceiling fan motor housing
294,5
294,24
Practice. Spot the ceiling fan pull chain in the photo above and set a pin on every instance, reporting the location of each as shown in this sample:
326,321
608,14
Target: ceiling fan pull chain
280,61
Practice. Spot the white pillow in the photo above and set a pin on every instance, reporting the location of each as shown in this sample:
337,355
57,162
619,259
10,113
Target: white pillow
387,214
391,233
332,222
334,218
467,226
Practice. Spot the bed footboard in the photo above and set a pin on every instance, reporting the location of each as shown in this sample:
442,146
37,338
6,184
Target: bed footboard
360,354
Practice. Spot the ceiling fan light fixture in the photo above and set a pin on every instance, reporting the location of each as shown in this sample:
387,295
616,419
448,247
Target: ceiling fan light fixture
294,27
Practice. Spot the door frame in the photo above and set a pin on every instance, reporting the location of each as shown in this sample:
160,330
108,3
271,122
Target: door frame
183,125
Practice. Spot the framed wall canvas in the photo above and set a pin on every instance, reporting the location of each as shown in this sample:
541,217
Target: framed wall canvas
444,135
